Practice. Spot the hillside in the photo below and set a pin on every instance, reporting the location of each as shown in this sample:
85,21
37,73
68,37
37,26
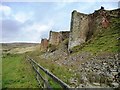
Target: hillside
94,63
87,56
18,47
16,72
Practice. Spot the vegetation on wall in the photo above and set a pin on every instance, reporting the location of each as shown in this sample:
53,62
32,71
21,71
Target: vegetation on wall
106,41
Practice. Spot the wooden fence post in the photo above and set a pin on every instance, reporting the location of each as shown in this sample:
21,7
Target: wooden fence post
38,79
47,73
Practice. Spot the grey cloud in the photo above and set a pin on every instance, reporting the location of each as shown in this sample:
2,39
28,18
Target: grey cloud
10,28
10,25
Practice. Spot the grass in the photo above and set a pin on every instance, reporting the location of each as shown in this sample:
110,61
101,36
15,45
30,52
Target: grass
60,71
105,41
17,73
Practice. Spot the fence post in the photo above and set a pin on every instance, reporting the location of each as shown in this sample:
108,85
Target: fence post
47,73
46,78
38,79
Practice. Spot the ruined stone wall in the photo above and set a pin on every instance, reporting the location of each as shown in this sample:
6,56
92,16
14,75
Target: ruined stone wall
56,38
44,45
84,26
79,28
64,35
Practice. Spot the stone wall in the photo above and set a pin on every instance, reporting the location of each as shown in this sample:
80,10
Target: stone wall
84,26
64,35
57,37
79,28
54,38
44,44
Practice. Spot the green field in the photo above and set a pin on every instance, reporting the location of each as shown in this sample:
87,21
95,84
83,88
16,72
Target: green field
17,72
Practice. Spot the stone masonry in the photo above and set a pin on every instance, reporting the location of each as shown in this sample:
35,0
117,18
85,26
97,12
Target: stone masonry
54,38
44,44
79,28
84,26
57,37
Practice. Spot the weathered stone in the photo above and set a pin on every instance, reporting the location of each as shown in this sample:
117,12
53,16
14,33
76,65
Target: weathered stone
79,27
44,44
84,26
100,70
105,22
56,38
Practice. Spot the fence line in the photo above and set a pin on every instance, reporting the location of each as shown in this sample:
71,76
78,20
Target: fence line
46,83
56,79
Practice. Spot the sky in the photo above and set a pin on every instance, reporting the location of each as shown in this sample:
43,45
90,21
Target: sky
32,21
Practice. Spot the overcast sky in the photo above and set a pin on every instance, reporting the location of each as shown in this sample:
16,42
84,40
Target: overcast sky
31,21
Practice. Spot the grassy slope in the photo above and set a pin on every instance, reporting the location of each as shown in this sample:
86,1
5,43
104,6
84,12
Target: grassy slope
17,73
105,41
60,71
